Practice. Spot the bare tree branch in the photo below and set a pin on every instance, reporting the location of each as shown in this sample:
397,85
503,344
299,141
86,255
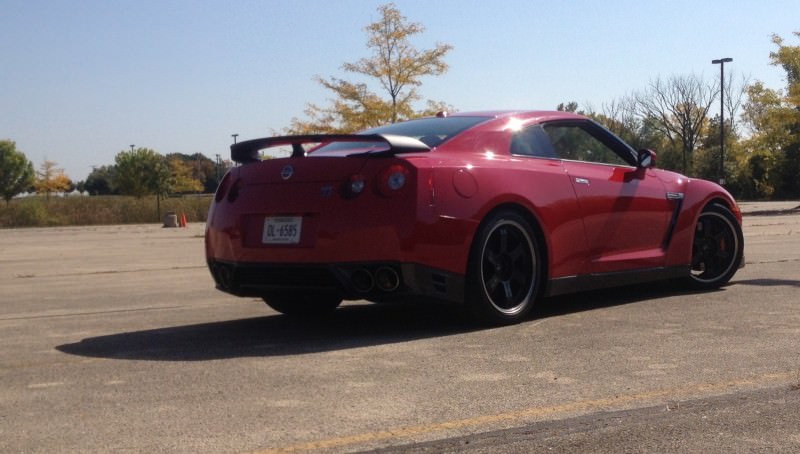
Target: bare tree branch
680,107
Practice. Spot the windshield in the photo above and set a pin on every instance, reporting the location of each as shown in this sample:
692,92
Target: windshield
430,131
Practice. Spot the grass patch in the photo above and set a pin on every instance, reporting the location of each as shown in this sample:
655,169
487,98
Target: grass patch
98,210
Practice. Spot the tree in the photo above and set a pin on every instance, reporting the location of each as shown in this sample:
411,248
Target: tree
788,57
396,65
571,106
706,160
773,116
142,172
182,176
16,171
101,181
620,116
679,106
201,169
50,179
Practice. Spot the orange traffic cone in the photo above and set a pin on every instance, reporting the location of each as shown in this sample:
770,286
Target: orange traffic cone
183,219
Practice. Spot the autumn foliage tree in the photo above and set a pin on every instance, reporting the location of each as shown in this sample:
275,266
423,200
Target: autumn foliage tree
395,65
183,177
50,179
771,163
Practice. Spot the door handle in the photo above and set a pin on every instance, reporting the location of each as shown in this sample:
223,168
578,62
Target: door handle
581,181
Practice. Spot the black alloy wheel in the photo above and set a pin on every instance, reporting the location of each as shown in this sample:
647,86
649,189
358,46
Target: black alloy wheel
504,270
717,248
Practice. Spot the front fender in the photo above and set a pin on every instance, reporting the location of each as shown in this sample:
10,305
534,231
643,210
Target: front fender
697,194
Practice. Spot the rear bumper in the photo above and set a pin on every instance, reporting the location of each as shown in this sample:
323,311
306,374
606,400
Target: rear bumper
373,281
441,244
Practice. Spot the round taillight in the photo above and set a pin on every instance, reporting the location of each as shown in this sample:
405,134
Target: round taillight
354,186
357,184
393,179
396,181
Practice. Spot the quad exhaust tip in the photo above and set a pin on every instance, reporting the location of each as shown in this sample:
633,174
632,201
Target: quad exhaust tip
362,280
384,278
387,279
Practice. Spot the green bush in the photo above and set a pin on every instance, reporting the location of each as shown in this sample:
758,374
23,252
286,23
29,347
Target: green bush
38,211
32,213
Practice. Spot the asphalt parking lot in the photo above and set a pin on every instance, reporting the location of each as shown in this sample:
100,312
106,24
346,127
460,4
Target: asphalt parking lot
113,339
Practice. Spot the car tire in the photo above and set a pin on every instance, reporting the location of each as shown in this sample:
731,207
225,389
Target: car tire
717,248
504,274
303,305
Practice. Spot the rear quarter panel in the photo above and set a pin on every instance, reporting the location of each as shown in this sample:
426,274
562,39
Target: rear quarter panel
470,186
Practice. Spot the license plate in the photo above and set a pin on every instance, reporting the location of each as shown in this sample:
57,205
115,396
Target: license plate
282,230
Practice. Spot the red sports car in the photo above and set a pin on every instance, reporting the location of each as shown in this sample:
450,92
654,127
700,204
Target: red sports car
491,210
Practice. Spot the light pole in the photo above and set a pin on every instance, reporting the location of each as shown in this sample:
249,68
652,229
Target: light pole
721,62
132,148
234,137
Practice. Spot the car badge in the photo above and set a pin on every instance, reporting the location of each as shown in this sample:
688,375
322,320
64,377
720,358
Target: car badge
287,172
326,191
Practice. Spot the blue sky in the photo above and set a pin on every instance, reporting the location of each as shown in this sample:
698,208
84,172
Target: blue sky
82,80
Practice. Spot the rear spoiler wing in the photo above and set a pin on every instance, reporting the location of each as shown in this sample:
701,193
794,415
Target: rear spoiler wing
247,151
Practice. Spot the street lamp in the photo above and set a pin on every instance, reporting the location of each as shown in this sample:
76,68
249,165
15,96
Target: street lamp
132,148
721,62
234,137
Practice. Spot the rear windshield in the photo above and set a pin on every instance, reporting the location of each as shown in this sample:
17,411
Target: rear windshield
430,131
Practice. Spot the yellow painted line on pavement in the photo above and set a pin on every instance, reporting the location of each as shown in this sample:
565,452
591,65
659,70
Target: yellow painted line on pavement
617,402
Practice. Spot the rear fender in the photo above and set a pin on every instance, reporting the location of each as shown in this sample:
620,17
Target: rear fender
554,210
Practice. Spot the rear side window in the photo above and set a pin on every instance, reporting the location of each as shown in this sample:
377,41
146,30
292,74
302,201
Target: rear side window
532,141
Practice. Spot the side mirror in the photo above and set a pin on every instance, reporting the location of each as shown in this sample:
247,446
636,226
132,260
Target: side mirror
646,159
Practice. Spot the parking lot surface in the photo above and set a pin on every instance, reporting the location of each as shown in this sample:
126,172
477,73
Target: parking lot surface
113,339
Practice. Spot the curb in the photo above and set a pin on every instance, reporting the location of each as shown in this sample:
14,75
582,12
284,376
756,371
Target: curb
774,212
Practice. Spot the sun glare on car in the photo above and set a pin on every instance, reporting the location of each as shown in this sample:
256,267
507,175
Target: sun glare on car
514,124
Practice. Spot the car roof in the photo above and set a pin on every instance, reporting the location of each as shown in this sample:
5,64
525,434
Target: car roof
538,115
